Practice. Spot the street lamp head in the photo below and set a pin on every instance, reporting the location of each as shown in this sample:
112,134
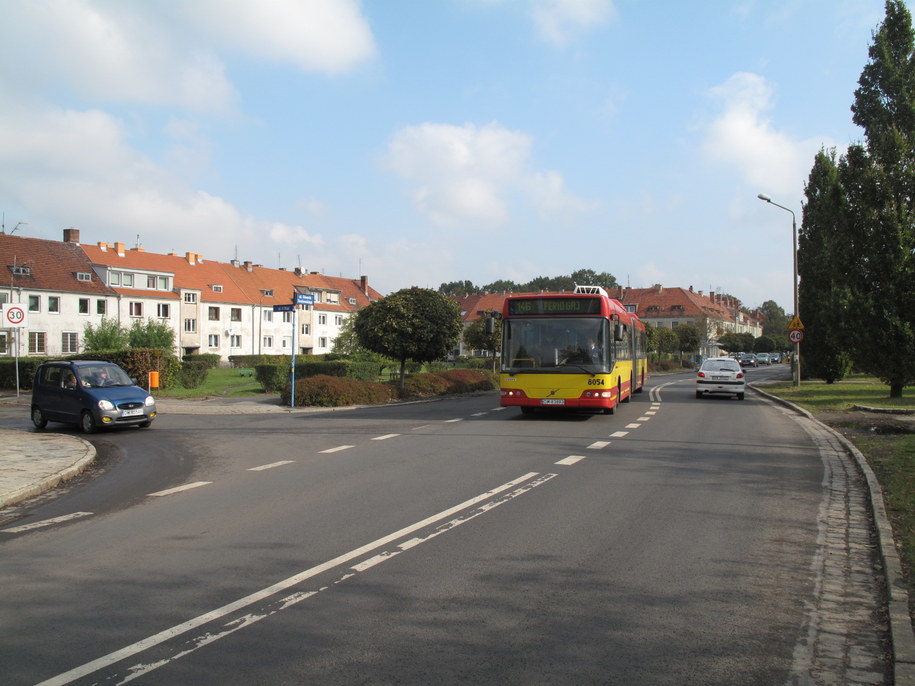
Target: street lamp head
763,196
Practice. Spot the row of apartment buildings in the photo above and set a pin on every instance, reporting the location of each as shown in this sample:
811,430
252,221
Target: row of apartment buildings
661,307
227,308
214,307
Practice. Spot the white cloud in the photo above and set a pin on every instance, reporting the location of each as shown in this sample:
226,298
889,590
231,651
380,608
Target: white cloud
742,136
468,174
323,35
557,20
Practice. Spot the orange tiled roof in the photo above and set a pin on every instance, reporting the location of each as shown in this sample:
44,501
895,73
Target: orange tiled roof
51,266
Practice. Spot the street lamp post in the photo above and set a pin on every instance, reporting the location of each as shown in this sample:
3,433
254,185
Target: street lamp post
796,363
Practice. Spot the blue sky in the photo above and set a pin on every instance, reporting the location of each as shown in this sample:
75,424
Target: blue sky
426,141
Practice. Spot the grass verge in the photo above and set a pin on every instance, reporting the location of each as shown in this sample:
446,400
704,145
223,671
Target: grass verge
225,383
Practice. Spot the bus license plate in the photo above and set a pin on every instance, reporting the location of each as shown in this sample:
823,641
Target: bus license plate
553,401
132,413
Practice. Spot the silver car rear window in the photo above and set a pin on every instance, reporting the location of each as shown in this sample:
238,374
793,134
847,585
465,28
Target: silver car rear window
721,366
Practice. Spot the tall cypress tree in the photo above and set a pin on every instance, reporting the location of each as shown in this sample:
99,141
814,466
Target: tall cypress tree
825,290
879,180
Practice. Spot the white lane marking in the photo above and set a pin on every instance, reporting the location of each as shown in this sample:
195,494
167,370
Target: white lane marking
477,414
651,413
597,445
156,639
270,466
424,426
451,421
571,459
385,437
497,409
645,417
337,449
619,434
634,425
45,522
186,487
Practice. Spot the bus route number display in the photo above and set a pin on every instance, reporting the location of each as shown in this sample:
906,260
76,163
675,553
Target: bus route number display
554,306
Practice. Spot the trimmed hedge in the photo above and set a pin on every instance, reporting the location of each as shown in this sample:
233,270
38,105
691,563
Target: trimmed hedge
210,359
137,362
272,376
337,391
193,373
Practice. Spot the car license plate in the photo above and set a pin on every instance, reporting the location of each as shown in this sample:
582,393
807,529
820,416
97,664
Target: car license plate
719,378
132,413
553,401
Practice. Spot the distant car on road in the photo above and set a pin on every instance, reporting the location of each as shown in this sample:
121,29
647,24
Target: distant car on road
90,394
749,360
720,375
763,358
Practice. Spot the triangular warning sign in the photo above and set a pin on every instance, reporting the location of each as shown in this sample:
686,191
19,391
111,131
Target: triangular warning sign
796,324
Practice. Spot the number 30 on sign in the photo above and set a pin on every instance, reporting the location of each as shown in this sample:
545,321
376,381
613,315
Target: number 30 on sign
14,315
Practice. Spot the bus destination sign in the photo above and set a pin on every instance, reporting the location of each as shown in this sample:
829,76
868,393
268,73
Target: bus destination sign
554,306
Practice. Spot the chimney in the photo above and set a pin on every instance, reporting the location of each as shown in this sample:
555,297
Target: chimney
190,257
119,249
298,272
364,284
103,246
71,235
249,266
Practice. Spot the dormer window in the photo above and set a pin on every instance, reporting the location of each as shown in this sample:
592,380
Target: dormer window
20,270
83,276
268,292
217,287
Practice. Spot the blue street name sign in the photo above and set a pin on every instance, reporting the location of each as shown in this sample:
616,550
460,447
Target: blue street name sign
284,308
304,299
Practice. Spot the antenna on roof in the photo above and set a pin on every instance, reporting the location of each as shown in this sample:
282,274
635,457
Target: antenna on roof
138,241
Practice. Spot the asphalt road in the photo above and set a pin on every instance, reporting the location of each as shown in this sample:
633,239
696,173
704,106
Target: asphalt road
456,542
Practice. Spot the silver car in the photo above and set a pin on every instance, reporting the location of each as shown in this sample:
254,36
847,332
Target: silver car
720,375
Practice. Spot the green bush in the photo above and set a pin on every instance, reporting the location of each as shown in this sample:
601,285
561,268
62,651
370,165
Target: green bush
27,368
336,391
272,376
193,374
251,361
424,384
211,359
316,367
467,380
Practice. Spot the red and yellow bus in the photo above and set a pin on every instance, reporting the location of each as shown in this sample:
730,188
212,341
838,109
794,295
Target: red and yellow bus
580,350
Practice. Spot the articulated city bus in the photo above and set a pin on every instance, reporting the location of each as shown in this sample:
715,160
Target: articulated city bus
579,350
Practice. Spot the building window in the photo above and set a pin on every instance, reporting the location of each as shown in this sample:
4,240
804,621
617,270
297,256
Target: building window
322,342
235,314
34,303
213,340
338,319
127,280
163,310
37,342
306,329
54,304
322,319
190,325
190,298
287,342
69,342
213,314
101,307
136,309
83,276
333,298
151,282
287,317
268,341
217,288
268,315
114,278
268,292
351,301
83,305
235,341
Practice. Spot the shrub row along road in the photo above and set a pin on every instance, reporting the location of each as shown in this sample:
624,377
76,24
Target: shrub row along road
679,540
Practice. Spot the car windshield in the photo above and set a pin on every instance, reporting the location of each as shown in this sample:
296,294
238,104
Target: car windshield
104,375
720,366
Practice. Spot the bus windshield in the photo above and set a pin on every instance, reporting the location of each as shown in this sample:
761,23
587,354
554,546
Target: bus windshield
556,344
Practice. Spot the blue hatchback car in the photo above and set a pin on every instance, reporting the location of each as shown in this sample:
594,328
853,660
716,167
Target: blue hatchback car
91,394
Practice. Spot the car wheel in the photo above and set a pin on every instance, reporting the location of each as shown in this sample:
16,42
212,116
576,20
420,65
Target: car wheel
38,418
87,423
699,394
740,396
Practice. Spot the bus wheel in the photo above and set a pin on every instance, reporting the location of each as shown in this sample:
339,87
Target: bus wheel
527,410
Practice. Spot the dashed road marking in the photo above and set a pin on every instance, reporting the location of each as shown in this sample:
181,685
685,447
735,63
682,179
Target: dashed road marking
597,445
179,489
337,449
385,437
45,522
619,434
270,466
571,459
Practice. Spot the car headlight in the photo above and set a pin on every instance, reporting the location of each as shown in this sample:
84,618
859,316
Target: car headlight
149,402
105,405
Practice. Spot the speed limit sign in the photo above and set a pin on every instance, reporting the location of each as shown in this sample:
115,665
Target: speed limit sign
14,315
795,335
